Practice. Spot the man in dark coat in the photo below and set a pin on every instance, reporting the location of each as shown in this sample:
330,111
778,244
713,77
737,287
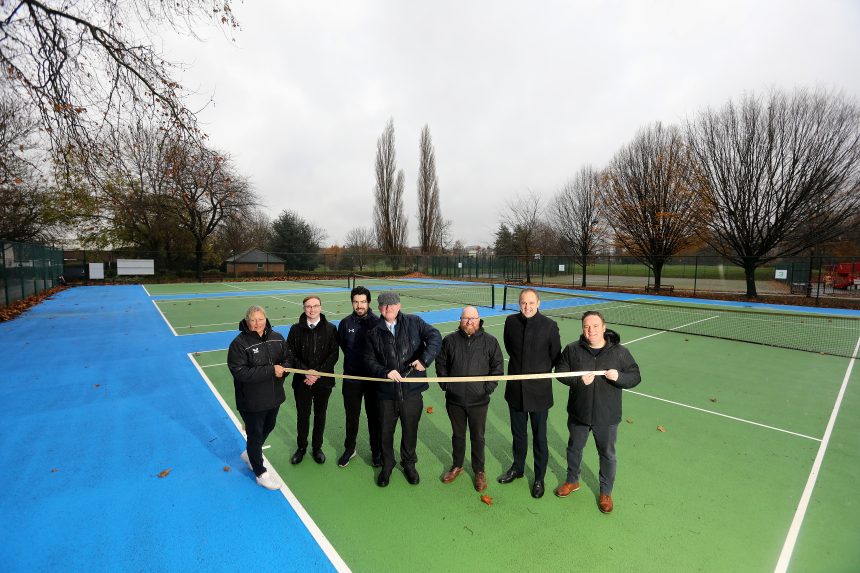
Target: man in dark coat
352,335
256,359
313,345
469,351
400,348
594,404
533,344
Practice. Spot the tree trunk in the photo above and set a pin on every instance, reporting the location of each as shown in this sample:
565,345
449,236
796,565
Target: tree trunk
749,272
198,256
584,265
658,270
528,271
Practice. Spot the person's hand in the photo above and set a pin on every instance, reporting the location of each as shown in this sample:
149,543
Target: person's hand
279,371
395,375
611,374
588,378
416,364
311,379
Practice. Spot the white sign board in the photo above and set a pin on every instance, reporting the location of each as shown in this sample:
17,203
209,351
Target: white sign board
781,274
459,265
135,267
97,271
561,268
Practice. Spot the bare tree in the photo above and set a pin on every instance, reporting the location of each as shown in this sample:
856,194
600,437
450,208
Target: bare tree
81,65
574,214
431,227
242,230
359,243
523,215
388,216
779,174
648,198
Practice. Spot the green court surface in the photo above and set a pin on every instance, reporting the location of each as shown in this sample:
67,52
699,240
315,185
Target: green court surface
715,491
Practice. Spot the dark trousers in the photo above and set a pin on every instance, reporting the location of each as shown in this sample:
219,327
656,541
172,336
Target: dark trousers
258,426
353,392
476,418
316,396
604,439
520,432
409,413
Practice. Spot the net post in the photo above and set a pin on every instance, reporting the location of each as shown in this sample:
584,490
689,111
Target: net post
493,295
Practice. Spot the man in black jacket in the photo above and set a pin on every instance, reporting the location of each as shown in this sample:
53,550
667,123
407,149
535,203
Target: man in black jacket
469,351
595,401
313,345
352,334
533,344
256,359
400,348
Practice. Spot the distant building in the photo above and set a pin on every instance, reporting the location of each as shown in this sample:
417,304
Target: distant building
255,261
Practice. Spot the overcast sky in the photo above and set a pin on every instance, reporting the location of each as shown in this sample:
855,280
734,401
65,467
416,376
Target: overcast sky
518,96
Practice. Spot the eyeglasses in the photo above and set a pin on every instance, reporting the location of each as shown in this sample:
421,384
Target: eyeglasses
312,306
469,319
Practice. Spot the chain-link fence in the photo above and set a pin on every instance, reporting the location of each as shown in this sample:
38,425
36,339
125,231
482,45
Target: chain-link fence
27,269
803,276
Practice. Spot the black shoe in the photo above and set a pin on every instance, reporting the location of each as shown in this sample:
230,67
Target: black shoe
343,461
318,456
412,475
383,477
377,460
298,456
537,489
510,476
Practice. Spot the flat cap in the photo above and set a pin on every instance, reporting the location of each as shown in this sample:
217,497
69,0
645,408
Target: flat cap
388,297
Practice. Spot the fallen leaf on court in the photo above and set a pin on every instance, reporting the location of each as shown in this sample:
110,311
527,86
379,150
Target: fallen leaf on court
661,429
712,399
164,473
227,468
429,409
487,499
54,470
96,385
686,340
629,420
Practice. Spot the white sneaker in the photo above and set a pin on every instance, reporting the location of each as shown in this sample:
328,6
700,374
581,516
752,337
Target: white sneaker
267,481
244,456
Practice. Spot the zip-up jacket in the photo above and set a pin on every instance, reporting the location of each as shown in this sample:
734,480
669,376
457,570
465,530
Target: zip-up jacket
463,355
313,349
599,403
251,360
533,346
415,340
352,336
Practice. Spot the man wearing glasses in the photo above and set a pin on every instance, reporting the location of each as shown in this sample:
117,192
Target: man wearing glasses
469,351
313,343
400,348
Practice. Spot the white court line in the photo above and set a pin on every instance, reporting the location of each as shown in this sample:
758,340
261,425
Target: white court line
232,286
167,322
145,290
800,513
724,416
336,560
671,329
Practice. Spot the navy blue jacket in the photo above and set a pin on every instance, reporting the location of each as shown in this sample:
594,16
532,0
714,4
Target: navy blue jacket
415,340
352,335
251,361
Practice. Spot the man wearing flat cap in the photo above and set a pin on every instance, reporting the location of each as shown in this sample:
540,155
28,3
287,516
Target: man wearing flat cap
400,348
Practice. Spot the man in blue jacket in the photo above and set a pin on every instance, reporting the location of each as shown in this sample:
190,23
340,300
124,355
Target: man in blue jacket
400,348
594,404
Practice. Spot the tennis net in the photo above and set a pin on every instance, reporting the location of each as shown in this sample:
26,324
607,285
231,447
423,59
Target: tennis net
455,292
836,335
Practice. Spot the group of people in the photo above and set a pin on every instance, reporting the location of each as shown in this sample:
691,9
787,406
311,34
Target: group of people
385,363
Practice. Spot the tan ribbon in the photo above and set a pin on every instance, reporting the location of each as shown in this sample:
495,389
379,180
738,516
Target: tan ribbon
454,378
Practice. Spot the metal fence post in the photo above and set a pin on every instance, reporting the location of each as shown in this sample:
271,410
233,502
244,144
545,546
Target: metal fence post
695,275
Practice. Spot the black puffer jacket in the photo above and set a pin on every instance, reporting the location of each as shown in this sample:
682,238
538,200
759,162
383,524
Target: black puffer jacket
599,403
476,355
415,340
313,349
533,346
251,359
352,336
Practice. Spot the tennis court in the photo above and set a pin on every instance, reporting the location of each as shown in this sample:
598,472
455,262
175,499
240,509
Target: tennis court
744,427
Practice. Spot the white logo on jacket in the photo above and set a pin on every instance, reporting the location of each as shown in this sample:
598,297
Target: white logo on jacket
255,350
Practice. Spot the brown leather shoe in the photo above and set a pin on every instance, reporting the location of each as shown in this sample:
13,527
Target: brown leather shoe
451,475
480,481
566,489
605,503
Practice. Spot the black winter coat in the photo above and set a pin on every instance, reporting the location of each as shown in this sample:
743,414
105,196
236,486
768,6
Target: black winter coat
476,355
313,349
251,359
533,346
415,340
352,336
599,403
